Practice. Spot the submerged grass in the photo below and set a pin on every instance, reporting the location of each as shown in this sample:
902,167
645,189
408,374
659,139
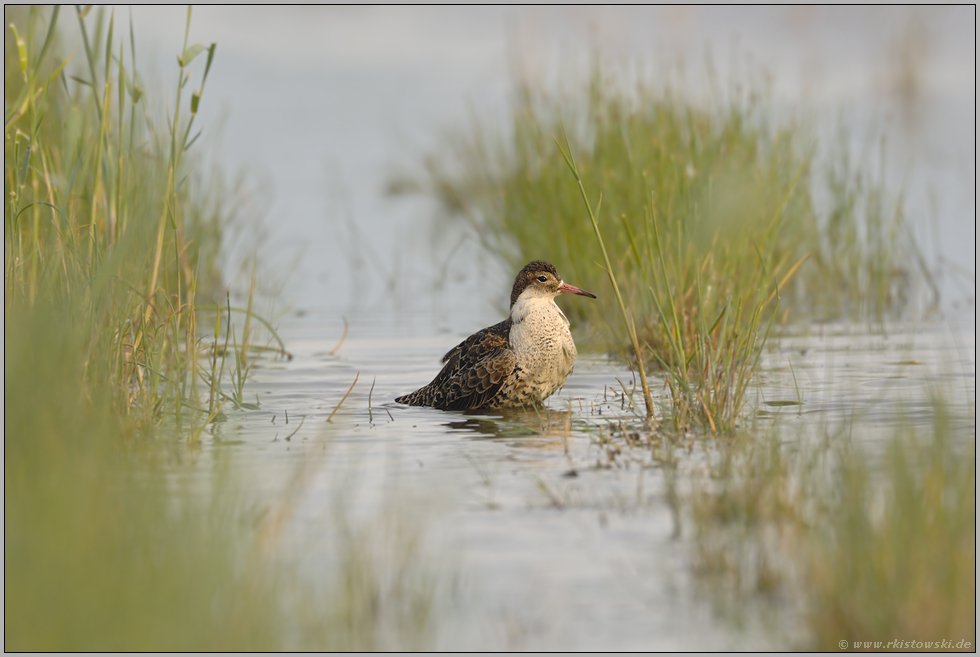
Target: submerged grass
827,534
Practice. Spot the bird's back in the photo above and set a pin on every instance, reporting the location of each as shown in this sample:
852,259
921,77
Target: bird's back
475,370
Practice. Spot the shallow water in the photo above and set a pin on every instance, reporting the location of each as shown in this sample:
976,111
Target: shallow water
323,105
546,550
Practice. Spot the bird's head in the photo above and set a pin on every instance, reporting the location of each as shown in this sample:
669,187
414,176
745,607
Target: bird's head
541,279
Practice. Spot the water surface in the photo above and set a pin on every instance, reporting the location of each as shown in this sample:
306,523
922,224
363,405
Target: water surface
552,543
548,551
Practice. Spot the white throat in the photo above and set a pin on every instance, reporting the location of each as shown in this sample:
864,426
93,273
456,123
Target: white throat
536,307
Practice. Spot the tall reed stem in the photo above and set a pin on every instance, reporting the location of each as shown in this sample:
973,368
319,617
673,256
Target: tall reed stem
566,153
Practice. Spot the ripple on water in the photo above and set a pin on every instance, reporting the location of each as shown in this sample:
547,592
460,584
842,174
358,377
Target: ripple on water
550,548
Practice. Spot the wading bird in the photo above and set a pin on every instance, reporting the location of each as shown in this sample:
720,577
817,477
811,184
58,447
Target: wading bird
521,361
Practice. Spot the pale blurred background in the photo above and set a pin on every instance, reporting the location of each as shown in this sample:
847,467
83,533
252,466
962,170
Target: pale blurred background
320,106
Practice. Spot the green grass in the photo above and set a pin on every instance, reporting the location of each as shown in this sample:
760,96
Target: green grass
854,545
106,246
896,556
98,218
733,192
111,242
716,220
98,553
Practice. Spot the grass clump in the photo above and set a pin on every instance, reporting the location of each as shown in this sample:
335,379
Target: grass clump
111,243
101,273
100,552
849,545
897,558
710,213
97,200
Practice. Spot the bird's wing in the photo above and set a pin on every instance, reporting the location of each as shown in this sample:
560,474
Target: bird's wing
495,336
473,373
480,371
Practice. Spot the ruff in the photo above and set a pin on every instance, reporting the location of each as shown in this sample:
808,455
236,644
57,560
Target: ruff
521,361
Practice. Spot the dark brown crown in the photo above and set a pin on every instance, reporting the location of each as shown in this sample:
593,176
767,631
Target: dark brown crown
528,275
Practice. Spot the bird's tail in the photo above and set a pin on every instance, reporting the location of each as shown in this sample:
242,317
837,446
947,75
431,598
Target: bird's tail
418,398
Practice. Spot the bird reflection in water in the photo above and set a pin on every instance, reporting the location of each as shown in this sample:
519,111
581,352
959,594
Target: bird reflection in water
536,428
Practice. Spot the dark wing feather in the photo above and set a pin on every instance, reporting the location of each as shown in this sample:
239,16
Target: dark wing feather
473,374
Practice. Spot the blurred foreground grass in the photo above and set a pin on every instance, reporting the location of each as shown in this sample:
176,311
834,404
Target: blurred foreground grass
898,554
100,553
855,543
111,236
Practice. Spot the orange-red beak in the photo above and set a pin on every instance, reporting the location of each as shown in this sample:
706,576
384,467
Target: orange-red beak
565,288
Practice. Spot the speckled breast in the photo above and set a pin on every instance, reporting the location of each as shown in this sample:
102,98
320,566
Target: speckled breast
545,354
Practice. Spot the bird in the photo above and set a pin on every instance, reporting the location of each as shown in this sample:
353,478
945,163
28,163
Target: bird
520,361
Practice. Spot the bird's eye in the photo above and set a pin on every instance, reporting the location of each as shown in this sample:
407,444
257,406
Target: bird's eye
543,278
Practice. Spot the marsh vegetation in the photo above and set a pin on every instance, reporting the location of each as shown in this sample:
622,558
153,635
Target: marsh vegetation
174,480
718,225
112,235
